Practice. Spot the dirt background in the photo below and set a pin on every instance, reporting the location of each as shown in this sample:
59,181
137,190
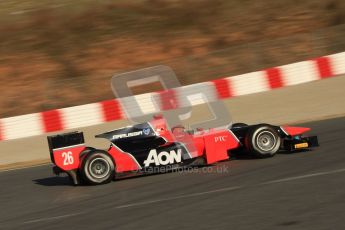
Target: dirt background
62,53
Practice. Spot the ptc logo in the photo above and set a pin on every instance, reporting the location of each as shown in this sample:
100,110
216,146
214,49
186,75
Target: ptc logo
220,139
163,158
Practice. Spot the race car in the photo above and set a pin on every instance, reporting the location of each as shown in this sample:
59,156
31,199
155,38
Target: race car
143,148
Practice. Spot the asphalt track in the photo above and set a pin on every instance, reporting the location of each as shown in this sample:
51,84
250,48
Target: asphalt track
304,190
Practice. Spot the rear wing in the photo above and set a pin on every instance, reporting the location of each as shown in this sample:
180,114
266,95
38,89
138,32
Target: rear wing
64,141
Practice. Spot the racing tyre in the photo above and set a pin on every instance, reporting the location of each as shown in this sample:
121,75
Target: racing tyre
239,125
263,141
86,151
97,168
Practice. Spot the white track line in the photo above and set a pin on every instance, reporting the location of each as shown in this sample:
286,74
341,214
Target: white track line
303,176
179,197
52,218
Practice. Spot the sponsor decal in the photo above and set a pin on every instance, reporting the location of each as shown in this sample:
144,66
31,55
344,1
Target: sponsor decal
163,158
301,145
146,131
125,135
220,139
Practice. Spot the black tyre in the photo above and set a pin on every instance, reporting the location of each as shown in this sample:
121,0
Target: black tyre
97,168
239,125
86,151
263,141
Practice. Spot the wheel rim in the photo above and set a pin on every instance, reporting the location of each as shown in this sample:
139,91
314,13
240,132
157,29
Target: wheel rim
99,168
266,141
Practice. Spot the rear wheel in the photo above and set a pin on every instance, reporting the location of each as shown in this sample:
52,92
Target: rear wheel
263,141
86,151
97,168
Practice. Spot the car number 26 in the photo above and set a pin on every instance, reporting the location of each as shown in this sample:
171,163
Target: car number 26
68,158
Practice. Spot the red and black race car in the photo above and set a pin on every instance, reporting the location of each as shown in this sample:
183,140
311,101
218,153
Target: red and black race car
144,147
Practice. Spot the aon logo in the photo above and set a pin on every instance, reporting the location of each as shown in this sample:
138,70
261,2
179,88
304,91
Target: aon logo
163,158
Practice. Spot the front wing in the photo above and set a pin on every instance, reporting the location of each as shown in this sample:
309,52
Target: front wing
298,143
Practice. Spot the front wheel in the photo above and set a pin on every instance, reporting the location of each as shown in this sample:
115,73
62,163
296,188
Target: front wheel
263,141
239,125
97,168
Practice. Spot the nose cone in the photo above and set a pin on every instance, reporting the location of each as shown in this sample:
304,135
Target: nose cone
293,131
